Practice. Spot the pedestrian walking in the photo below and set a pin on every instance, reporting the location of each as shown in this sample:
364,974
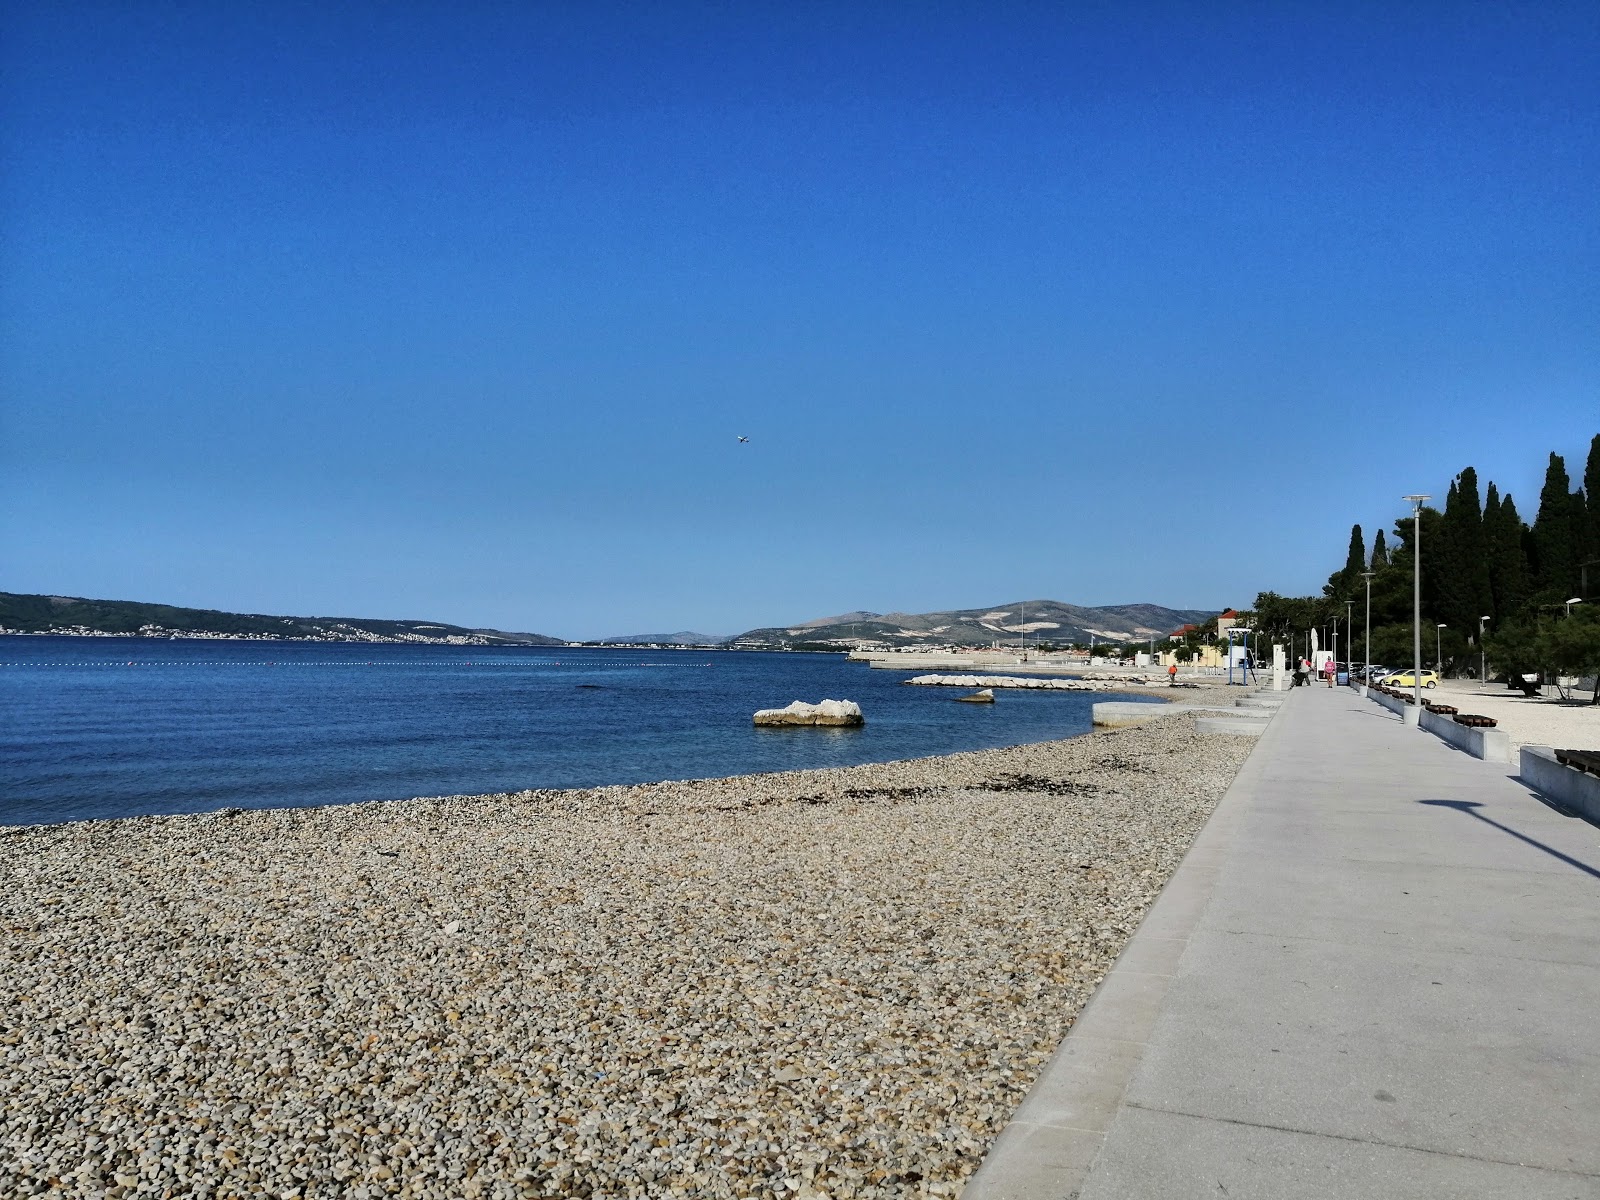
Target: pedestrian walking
1172,674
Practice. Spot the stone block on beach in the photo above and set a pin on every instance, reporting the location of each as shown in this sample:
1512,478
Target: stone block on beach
829,712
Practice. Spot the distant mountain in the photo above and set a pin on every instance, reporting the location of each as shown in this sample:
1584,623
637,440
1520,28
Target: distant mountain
1038,620
667,639
73,614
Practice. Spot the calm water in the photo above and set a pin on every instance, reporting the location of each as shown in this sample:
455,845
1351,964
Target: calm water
111,727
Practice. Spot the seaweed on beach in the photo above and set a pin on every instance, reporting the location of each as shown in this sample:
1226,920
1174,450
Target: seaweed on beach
892,793
1022,782
1115,762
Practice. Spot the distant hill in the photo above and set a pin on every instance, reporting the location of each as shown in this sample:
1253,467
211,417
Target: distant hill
73,614
1045,621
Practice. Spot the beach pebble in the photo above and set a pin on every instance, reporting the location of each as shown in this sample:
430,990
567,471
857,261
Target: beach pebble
825,984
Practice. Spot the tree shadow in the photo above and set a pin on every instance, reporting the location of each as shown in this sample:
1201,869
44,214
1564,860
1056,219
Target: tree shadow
1469,807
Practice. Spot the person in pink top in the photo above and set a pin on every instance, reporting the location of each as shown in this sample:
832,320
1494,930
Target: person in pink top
1329,669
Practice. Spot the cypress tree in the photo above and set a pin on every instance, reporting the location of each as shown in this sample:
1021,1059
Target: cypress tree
1471,563
1380,552
1591,494
1342,586
1446,562
1491,535
1579,520
1508,563
1356,558
1555,565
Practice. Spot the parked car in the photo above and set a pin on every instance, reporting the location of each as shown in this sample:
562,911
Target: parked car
1405,679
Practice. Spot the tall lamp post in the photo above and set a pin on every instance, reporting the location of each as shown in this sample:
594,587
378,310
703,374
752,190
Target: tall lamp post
1415,714
1349,636
1483,655
1438,653
1366,638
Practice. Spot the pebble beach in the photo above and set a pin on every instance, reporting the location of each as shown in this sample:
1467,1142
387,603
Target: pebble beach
833,983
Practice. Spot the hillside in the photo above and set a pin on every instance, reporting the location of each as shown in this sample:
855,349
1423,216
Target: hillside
75,615
1045,621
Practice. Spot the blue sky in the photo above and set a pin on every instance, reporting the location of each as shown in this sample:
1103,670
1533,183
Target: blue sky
455,311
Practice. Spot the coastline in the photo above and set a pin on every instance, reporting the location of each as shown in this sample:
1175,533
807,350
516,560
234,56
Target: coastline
845,978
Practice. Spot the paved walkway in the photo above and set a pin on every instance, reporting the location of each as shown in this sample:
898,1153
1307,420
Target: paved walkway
1377,974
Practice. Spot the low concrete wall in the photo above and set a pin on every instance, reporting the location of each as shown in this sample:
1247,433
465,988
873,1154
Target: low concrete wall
1572,789
1389,702
1491,745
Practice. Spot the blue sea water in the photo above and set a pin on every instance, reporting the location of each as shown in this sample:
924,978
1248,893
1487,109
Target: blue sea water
114,727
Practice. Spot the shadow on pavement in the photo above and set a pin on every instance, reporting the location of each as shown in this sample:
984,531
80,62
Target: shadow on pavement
1469,807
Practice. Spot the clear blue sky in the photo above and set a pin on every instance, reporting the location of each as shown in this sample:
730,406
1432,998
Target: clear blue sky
455,311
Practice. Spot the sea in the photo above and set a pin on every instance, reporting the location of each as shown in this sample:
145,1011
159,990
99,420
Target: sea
97,728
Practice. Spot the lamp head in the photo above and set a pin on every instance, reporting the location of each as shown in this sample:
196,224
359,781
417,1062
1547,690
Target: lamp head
1416,501
1576,600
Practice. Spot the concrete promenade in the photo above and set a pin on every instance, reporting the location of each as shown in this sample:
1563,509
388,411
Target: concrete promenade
1376,974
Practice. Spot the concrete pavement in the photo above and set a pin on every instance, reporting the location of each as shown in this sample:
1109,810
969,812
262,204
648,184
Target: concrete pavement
1376,974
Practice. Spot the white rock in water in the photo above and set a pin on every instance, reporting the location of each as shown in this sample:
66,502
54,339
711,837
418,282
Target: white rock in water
829,712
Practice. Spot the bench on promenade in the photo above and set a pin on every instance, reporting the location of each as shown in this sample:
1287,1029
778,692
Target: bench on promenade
1582,760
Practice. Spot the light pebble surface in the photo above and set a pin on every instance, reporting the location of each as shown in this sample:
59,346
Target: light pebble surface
1527,722
815,984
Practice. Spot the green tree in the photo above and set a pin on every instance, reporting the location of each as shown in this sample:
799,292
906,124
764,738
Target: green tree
1590,556
1380,551
1464,589
1513,651
1504,536
1566,643
1342,583
1571,644
1555,540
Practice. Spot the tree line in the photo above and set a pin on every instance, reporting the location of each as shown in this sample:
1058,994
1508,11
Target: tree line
1483,568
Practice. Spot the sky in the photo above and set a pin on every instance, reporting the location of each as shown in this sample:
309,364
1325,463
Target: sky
457,311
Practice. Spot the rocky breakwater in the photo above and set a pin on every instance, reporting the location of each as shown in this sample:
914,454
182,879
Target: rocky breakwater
816,984
828,712
1101,683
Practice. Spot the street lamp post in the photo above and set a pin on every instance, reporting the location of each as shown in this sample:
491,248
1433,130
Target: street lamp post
1414,716
1366,638
1438,653
1483,655
1349,636
1570,603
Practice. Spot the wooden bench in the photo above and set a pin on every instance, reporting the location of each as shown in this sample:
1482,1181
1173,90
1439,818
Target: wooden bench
1581,760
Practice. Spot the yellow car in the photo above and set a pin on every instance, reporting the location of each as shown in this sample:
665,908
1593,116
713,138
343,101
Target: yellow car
1405,679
